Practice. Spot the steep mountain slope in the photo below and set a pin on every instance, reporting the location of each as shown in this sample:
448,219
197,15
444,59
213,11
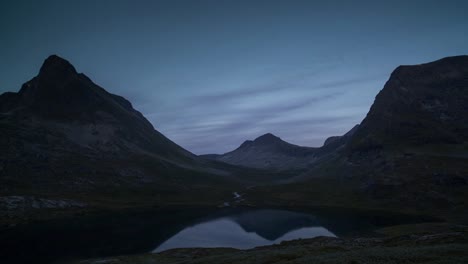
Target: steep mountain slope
271,152
419,105
411,150
420,114
414,140
64,136
96,120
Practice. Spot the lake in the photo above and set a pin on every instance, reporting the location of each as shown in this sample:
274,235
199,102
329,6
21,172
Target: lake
248,229
155,231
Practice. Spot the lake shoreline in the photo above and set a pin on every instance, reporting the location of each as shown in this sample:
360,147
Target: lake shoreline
438,243
131,230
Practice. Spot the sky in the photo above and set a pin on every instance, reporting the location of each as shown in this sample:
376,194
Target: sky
212,74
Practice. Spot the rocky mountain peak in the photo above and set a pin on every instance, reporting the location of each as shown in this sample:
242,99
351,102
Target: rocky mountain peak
55,66
267,138
82,113
58,85
58,92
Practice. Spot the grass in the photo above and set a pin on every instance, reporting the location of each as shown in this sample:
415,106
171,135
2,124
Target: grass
440,248
420,228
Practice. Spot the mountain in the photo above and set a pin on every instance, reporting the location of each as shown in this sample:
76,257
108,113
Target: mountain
419,105
409,153
63,136
340,140
271,152
68,143
267,152
88,116
414,140
420,114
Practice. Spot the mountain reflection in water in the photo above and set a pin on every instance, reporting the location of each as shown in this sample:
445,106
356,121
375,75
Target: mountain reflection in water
136,232
247,230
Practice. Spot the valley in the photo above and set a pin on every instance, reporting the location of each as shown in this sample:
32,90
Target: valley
76,157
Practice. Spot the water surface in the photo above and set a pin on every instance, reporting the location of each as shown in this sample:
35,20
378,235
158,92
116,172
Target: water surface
249,229
158,230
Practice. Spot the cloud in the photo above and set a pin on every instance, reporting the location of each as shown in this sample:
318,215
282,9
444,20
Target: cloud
307,131
282,85
304,114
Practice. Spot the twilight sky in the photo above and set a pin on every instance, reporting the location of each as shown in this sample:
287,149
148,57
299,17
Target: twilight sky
211,74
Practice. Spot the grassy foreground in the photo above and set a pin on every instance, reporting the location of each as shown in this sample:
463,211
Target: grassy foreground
422,243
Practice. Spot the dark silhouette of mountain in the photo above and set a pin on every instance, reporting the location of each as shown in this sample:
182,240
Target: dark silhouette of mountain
410,151
417,129
414,140
267,152
271,152
65,137
62,134
340,140
419,105
90,117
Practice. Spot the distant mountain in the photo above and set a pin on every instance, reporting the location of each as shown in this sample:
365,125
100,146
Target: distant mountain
62,135
267,152
271,152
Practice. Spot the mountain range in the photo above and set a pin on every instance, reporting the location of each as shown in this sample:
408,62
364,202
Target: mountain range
67,142
271,152
409,153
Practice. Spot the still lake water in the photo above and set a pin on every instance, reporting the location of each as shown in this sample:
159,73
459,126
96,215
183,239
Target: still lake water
156,231
249,229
